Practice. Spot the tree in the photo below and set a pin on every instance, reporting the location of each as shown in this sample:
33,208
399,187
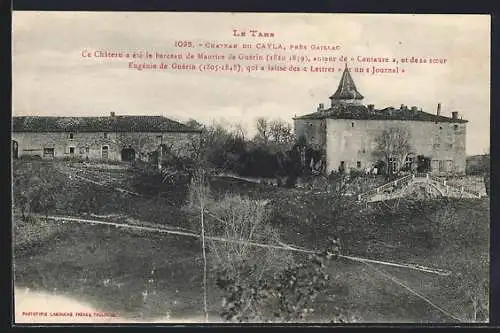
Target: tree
393,147
281,132
239,131
262,130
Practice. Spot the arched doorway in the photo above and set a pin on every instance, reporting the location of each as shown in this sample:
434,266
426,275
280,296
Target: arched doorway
15,149
128,154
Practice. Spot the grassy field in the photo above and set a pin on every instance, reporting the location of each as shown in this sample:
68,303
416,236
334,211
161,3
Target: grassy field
147,275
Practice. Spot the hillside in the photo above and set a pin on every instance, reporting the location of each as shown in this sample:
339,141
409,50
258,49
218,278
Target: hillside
111,268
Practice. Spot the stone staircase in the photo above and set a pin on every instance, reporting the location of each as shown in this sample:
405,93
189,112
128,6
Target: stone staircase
409,184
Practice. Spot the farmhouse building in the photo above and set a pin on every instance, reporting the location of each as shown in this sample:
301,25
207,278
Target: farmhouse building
117,138
348,134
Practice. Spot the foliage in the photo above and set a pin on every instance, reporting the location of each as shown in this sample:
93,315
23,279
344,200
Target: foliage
281,133
288,296
478,165
269,154
36,188
276,134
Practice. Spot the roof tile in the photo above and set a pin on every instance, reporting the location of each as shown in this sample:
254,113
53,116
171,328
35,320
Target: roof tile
98,124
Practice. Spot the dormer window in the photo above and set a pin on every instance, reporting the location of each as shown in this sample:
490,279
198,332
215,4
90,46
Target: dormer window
71,136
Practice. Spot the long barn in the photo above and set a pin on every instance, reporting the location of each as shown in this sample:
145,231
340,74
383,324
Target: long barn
117,138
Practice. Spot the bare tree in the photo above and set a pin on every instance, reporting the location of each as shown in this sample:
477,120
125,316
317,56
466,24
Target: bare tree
199,193
393,147
262,130
281,132
239,131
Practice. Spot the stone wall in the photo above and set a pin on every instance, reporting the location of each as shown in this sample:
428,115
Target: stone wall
313,130
92,144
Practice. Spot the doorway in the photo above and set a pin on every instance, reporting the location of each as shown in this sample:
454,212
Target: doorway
105,152
423,164
128,154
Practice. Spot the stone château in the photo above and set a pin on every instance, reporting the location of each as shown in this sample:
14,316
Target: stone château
346,134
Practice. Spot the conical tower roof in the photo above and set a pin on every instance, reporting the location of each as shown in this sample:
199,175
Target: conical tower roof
347,88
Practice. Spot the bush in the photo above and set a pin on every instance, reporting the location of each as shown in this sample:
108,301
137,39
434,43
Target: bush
36,188
478,165
288,296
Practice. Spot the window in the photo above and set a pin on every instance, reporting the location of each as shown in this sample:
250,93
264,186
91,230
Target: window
352,124
105,135
450,145
441,166
409,162
87,149
358,164
455,127
393,164
159,139
71,136
440,127
72,150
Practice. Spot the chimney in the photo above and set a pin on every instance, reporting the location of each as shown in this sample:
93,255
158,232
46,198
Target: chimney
438,112
371,107
321,107
402,107
454,115
112,114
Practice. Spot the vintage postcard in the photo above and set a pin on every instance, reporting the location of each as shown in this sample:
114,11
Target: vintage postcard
175,167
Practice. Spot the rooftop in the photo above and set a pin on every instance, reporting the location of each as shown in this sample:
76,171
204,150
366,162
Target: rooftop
347,88
98,124
346,104
362,112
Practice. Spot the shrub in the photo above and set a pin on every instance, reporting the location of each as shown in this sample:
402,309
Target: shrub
287,296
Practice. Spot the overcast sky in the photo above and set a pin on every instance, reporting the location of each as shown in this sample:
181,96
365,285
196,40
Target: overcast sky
50,77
